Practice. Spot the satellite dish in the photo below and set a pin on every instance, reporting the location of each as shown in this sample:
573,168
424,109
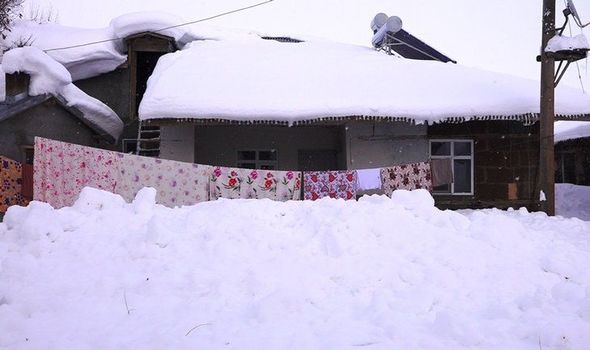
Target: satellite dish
378,22
574,11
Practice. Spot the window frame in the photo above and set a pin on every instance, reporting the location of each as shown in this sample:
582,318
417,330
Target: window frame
257,162
453,157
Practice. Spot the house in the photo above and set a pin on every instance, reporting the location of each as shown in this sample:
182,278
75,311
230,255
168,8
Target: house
572,152
246,100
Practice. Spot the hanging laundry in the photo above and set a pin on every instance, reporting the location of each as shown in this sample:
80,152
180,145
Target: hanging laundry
369,179
10,183
177,183
233,183
62,170
333,184
442,171
406,177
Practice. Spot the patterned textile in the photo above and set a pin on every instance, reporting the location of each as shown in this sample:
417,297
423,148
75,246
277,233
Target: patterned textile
177,183
333,184
62,170
406,177
10,183
442,171
248,183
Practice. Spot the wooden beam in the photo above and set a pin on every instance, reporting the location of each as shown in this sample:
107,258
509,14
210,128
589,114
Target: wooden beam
547,117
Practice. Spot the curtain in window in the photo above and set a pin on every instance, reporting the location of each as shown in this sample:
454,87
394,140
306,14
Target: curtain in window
177,183
406,177
442,171
10,184
233,183
62,170
333,184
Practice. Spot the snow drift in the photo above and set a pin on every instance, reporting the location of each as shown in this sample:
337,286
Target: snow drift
50,77
90,52
254,274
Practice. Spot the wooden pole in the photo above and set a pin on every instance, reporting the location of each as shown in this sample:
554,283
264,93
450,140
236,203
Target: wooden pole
547,117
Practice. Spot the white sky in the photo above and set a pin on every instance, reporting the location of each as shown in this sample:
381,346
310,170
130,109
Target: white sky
499,35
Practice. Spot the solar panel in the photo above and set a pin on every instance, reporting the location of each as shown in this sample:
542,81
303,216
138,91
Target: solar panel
408,46
390,37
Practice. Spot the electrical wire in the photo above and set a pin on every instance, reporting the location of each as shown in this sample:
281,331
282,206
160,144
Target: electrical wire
166,28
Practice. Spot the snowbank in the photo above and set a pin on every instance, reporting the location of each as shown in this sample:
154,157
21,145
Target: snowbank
254,79
573,201
569,130
245,274
50,77
106,50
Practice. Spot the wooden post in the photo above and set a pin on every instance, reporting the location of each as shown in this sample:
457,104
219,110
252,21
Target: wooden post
547,117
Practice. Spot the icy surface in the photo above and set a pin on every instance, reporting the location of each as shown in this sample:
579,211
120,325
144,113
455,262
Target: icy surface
50,77
572,201
567,43
90,52
255,274
569,130
247,78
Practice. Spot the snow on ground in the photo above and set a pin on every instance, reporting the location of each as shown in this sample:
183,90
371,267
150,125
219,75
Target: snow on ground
568,130
248,78
254,274
572,201
50,77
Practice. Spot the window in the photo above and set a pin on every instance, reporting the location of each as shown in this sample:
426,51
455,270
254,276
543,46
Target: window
258,159
460,152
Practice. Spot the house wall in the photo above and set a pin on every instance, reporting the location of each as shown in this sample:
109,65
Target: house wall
578,169
113,89
47,120
218,145
178,142
506,156
381,144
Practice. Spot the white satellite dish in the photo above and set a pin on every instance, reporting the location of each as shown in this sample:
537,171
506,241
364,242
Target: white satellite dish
574,11
379,21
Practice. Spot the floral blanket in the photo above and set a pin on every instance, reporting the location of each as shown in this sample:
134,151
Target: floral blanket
333,184
177,183
406,177
11,181
235,183
62,170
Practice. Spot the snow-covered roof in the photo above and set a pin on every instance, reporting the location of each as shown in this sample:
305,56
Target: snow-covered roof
570,130
50,77
250,79
105,50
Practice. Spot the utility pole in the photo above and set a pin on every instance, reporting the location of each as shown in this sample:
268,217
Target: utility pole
547,117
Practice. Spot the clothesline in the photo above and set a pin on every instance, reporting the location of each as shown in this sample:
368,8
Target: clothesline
62,169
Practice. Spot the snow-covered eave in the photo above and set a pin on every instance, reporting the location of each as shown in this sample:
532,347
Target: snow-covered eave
527,118
105,134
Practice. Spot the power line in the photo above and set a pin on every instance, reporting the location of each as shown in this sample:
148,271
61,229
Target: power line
166,28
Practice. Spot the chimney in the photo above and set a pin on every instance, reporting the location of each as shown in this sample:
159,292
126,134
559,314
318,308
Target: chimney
17,86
